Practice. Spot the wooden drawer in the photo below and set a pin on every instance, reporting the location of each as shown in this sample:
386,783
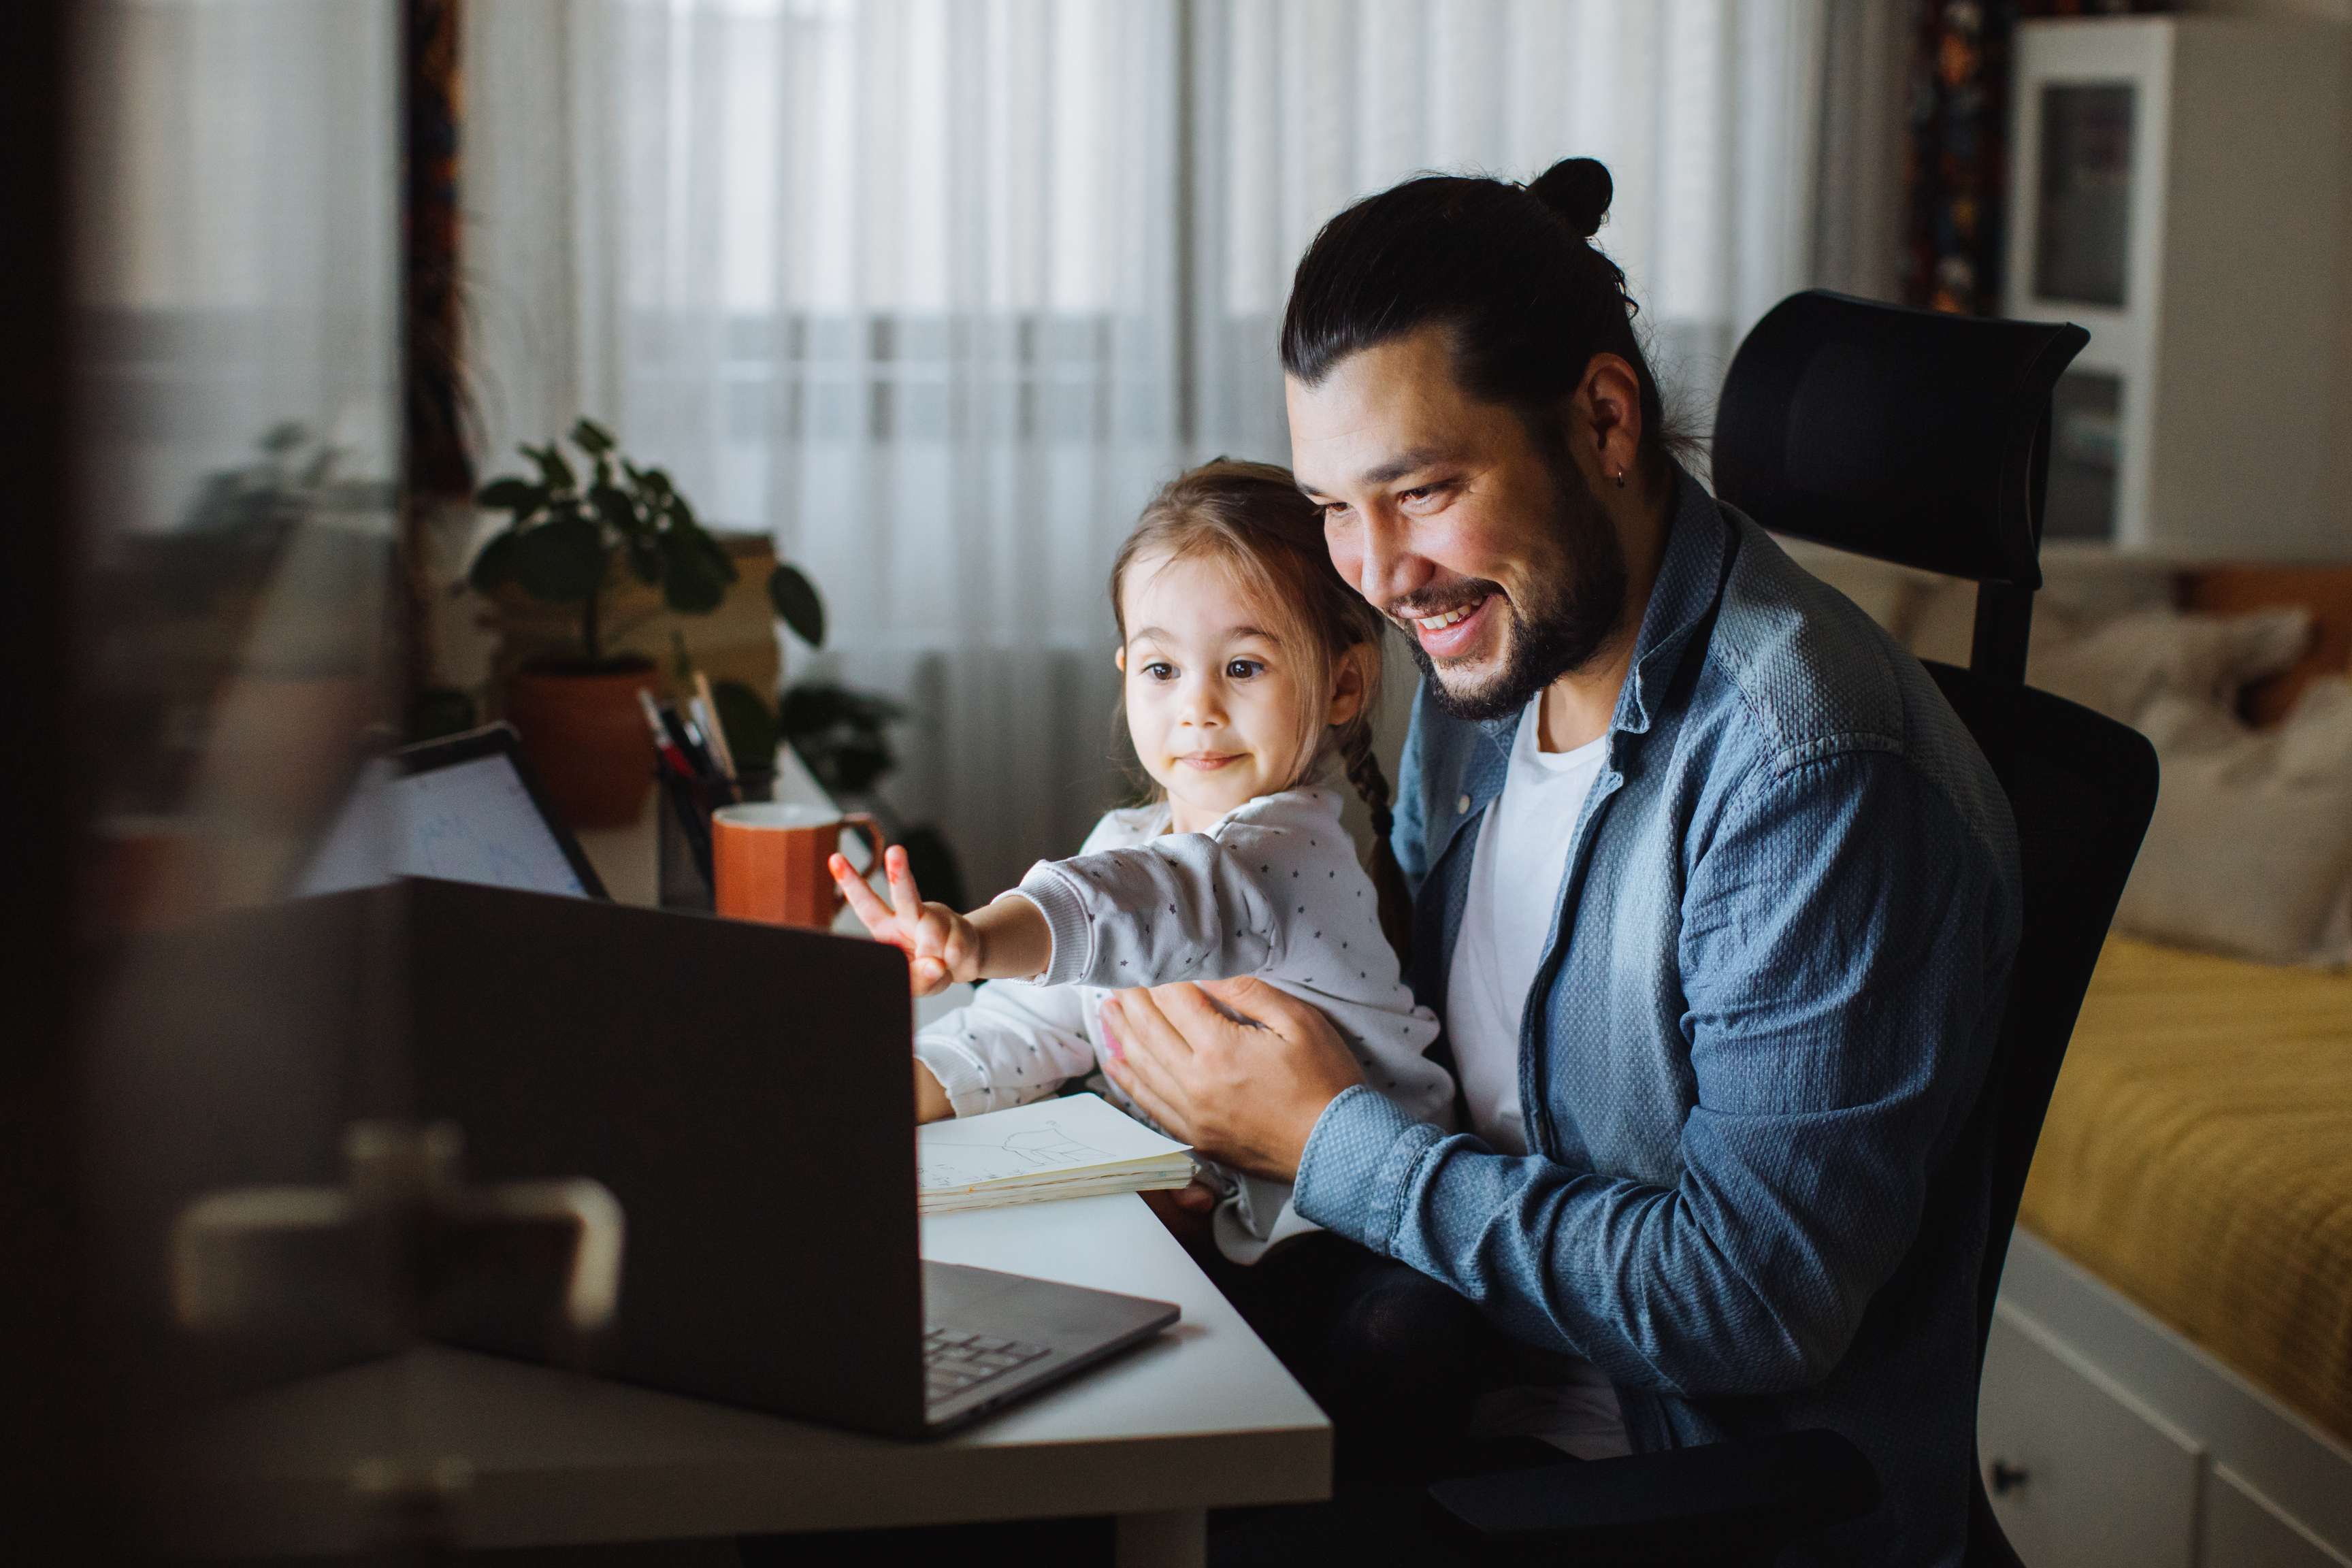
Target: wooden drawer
2081,1473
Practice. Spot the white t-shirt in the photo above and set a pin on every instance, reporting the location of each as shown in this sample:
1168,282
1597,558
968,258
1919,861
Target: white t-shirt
1515,877
1515,870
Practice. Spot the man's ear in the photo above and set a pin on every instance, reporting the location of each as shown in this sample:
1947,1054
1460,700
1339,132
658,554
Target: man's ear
1605,421
1350,678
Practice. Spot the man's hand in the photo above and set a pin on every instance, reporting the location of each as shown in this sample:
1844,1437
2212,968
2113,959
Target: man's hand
1185,1211
1247,1093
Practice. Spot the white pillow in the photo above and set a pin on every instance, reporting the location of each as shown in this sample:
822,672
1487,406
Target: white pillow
2121,667
2080,592
2249,851
2315,736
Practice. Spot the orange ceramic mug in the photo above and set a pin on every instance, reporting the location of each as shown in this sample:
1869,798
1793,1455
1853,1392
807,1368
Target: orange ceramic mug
767,861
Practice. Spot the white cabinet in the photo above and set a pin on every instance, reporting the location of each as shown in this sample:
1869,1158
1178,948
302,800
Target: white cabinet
2175,189
2081,1473
2117,1440
2244,1529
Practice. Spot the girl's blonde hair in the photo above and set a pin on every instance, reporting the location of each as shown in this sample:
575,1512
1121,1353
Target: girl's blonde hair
1251,518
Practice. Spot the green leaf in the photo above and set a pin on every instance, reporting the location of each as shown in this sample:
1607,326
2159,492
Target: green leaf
689,584
704,542
562,562
553,470
645,557
619,512
592,438
796,599
495,564
857,763
749,725
811,708
512,494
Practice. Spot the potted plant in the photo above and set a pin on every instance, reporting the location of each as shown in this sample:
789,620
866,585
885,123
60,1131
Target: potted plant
578,538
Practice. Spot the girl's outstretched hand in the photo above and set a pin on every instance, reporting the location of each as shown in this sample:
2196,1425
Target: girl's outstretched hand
940,945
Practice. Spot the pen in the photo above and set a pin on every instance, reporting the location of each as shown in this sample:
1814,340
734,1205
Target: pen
664,747
689,739
706,709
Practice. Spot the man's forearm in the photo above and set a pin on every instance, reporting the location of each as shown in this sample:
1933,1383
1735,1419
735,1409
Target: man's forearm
1639,1279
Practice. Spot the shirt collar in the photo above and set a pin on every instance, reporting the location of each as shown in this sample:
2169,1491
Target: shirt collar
1689,586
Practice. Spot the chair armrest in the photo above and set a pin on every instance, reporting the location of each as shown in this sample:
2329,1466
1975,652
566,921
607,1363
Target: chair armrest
1748,1497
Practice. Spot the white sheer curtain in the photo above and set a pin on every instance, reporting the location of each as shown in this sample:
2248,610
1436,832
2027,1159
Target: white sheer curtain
938,290
1755,147
894,280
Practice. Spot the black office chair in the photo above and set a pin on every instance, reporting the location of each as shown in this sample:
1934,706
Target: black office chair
1921,439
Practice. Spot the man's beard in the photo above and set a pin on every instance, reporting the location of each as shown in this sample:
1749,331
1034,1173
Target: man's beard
1562,629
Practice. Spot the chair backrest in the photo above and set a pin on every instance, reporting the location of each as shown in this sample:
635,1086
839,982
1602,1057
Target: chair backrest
1906,436
1922,439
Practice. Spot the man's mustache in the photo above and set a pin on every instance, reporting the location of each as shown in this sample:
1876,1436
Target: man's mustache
1453,597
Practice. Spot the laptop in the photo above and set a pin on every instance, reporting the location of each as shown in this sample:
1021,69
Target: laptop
744,1090
466,808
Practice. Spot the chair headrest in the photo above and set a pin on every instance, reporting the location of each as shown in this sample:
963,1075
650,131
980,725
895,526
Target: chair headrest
1907,436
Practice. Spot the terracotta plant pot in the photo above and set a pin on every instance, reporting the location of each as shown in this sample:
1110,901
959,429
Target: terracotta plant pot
585,735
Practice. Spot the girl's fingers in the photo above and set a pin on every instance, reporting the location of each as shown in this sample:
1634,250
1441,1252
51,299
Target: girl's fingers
933,926
902,885
926,976
870,910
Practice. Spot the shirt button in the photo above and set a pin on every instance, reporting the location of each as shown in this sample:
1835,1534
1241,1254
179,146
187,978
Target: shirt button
1462,807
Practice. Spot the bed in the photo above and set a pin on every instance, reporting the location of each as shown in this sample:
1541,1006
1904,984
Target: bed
2169,1376
2197,1157
2170,1379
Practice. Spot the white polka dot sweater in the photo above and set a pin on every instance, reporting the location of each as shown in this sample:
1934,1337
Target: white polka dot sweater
1273,890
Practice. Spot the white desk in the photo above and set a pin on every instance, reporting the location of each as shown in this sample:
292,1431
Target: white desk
1204,1418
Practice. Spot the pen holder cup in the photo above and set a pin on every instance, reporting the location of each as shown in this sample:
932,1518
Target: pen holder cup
682,852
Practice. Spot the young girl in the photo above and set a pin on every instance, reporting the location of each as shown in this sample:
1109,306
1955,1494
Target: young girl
1250,669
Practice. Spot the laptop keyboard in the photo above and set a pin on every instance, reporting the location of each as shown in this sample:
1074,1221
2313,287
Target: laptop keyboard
955,1362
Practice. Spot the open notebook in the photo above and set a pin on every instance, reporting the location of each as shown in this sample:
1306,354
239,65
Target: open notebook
1072,1147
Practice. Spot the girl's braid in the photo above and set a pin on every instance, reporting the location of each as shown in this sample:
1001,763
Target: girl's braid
1364,773
1388,876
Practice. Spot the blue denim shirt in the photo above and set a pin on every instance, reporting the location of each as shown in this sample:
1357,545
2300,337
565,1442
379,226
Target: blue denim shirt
1774,981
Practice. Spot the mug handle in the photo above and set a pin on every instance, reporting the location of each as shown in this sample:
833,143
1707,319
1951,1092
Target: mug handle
862,824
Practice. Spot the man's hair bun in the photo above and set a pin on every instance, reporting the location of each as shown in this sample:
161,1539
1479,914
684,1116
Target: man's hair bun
1577,190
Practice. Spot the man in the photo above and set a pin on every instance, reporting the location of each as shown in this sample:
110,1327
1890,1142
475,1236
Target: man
1714,893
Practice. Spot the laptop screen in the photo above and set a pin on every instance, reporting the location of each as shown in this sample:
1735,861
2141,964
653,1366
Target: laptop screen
470,820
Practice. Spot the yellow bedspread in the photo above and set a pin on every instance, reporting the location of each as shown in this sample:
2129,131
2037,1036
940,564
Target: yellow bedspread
2198,1157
